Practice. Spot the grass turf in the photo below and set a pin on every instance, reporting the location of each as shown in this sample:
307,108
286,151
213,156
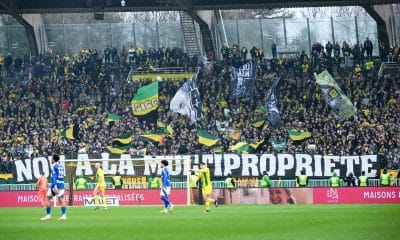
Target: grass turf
225,222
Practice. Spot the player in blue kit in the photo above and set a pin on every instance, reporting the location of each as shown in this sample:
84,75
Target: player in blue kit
56,189
166,187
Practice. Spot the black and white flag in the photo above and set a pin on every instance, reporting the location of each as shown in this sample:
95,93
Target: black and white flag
243,81
187,100
272,104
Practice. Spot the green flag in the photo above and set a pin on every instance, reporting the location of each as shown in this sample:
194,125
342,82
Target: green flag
296,135
155,137
261,109
126,138
257,144
113,117
241,147
279,145
207,138
167,129
217,150
259,122
69,132
145,99
118,149
342,107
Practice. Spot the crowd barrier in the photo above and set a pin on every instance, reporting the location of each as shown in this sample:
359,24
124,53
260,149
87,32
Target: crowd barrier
273,195
216,184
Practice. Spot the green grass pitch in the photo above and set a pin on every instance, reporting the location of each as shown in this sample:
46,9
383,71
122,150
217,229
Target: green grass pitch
294,222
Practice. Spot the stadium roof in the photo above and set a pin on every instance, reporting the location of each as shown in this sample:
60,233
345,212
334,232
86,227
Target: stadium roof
57,6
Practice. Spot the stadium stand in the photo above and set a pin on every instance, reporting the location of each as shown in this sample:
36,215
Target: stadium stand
43,95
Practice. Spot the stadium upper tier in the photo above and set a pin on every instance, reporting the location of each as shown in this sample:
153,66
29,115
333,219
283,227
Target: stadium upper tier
42,98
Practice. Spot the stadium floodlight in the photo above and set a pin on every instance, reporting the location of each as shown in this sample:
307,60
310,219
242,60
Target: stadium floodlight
123,3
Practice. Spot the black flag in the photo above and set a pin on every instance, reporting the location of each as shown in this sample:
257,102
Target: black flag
243,81
272,104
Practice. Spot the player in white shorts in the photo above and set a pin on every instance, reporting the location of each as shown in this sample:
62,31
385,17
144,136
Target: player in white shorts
166,187
56,189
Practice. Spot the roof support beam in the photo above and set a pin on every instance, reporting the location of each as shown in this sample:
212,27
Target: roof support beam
58,6
383,36
10,8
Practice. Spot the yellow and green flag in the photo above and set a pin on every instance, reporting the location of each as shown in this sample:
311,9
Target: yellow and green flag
261,109
145,99
69,132
217,150
259,122
241,147
256,145
118,149
296,135
113,117
207,138
126,138
166,128
155,137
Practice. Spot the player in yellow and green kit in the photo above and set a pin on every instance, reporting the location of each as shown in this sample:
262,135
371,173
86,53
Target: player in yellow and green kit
204,176
100,187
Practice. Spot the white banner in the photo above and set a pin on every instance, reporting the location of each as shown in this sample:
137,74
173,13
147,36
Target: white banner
90,202
241,165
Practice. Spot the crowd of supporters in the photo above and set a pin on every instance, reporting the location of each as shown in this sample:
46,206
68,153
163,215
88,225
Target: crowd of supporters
42,95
